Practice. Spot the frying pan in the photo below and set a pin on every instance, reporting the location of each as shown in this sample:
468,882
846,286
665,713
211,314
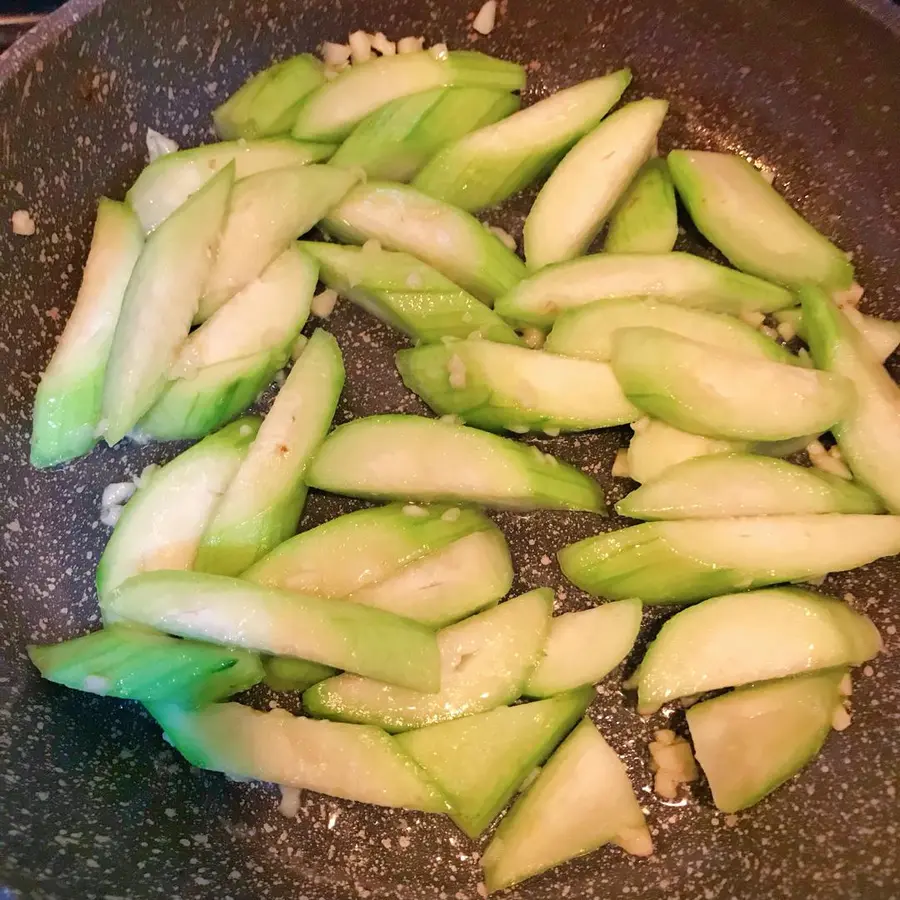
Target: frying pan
93,803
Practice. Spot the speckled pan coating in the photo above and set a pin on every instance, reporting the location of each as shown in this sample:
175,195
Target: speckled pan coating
92,802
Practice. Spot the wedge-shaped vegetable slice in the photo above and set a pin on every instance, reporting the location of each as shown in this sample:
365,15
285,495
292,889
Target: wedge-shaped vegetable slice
443,587
582,800
645,220
757,636
587,331
268,211
162,524
407,294
285,673
414,458
479,762
869,434
752,740
169,180
132,664
246,672
263,503
741,484
396,141
583,647
740,212
355,762
882,335
715,393
485,662
363,548
498,386
487,166
160,302
336,108
68,405
680,562
448,239
576,199
678,278
228,611
268,103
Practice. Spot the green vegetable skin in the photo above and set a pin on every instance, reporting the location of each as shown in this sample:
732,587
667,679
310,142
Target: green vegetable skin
582,800
685,561
263,503
479,762
162,524
741,484
285,673
645,220
739,212
487,166
169,180
132,664
744,638
583,647
678,278
751,741
396,141
337,107
414,458
576,199
406,293
161,300
485,662
498,386
267,211
67,408
448,239
356,762
715,393
224,610
869,435
268,103
882,335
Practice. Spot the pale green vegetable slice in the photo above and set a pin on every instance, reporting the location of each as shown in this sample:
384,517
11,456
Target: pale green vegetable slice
287,673
882,335
645,220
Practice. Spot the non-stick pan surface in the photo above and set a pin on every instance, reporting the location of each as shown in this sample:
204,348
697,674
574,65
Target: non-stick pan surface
92,802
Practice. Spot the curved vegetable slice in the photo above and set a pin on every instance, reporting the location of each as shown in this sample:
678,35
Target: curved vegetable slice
740,212
587,331
396,141
487,166
583,189
704,390
585,646
407,294
160,302
869,435
685,561
169,180
68,405
338,106
448,239
355,762
485,662
743,638
645,220
751,741
162,524
286,673
228,611
668,277
582,800
738,484
882,335
268,103
499,386
414,458
478,762
268,211
263,503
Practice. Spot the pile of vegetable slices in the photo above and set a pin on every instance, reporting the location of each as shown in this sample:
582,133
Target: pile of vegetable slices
392,620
